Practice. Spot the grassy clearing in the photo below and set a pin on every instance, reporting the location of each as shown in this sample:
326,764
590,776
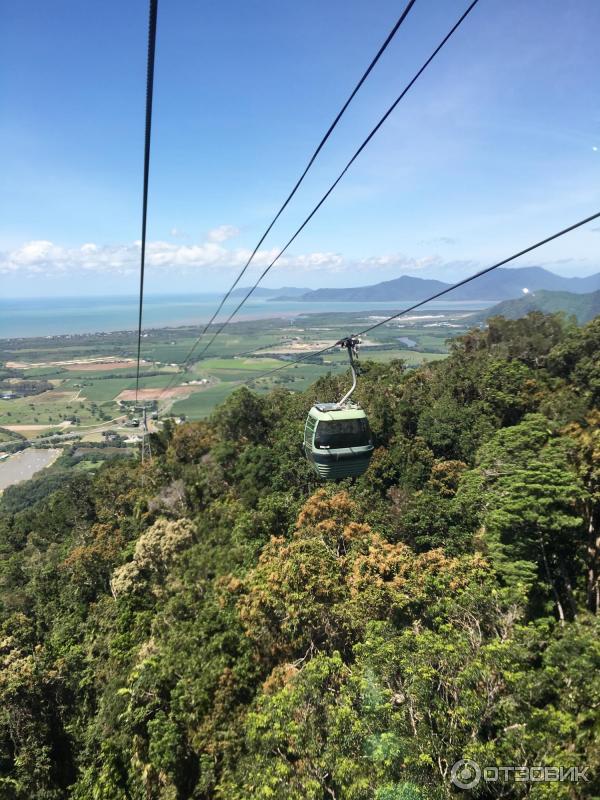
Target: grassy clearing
212,364
200,404
410,357
43,372
296,378
231,370
106,389
48,411
8,436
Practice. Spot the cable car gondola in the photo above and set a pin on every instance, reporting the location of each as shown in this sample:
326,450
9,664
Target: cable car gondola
337,437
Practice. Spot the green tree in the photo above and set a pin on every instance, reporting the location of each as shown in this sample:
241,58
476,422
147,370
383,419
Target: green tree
531,509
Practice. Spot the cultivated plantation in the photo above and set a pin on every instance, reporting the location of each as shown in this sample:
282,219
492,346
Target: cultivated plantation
81,384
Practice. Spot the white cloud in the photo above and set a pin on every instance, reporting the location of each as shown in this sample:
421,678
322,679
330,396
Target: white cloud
332,262
443,240
398,261
32,252
222,233
46,258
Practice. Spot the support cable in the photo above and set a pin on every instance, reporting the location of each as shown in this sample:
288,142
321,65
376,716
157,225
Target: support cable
153,10
341,175
435,296
311,161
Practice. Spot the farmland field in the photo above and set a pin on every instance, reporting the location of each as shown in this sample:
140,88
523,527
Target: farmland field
88,376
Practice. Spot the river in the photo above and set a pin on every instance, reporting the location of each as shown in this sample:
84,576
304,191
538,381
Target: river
24,465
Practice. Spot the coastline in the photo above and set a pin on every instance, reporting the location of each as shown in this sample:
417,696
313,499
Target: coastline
58,318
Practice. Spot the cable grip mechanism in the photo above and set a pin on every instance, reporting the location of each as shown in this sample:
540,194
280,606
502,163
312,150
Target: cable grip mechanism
350,343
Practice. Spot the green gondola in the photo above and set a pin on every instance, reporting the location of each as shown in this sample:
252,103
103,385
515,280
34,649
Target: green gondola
337,437
337,441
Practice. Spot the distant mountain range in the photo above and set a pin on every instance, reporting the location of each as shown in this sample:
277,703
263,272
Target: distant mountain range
502,284
583,306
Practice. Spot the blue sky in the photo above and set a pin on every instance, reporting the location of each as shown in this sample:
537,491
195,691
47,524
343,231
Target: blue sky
497,145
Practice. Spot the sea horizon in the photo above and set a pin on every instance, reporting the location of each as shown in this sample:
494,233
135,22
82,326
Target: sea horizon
63,316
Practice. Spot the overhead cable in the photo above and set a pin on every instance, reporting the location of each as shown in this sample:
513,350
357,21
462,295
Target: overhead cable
311,161
341,175
153,10
437,295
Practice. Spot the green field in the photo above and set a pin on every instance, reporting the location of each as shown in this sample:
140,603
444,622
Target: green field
105,389
412,358
200,404
46,412
235,358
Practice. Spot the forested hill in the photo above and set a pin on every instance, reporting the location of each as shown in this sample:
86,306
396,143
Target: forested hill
582,306
215,624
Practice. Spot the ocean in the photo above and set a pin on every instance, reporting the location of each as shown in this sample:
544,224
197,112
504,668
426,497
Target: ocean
54,316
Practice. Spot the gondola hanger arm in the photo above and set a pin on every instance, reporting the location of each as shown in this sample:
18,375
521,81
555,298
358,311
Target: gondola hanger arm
350,343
